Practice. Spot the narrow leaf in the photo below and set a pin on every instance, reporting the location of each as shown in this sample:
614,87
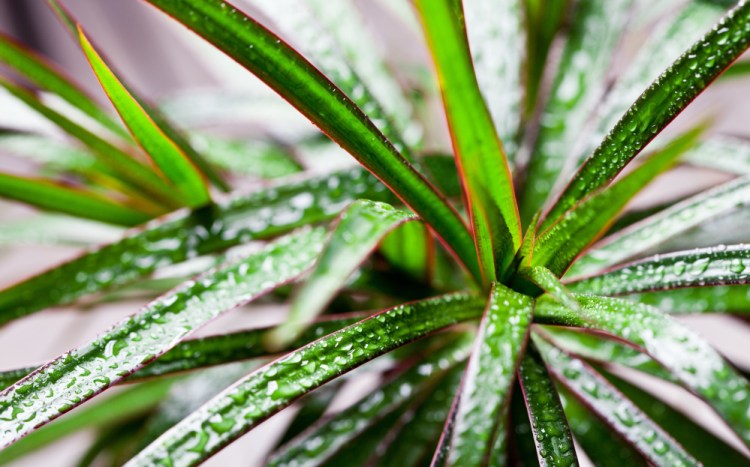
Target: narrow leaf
79,202
193,354
319,443
312,408
544,19
549,426
479,430
479,154
266,391
720,265
185,234
557,247
609,404
660,227
78,375
295,79
690,359
731,155
122,406
358,232
716,299
577,87
45,75
174,164
492,26
658,105
550,284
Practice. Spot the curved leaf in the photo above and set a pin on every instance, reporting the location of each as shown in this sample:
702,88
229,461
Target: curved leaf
184,235
666,224
609,404
557,247
576,89
658,105
266,391
318,444
487,183
689,358
481,407
79,202
172,161
80,374
360,228
549,426
295,79
492,26
720,265
42,73
192,354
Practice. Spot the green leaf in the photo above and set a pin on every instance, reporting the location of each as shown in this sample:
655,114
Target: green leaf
719,265
319,443
125,405
184,235
577,88
739,69
689,358
599,441
45,75
658,105
131,171
716,299
479,153
701,443
669,223
544,19
549,426
295,79
418,437
266,391
727,154
318,44
79,202
359,230
492,26
481,407
675,26
312,408
77,376
192,354
557,246
172,161
550,284
616,410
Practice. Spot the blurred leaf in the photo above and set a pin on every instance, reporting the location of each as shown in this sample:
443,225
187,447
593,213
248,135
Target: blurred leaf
79,202
479,153
266,391
728,154
359,230
128,404
577,87
184,235
657,106
616,410
544,18
173,162
716,299
78,375
312,408
45,75
53,229
481,405
289,74
549,426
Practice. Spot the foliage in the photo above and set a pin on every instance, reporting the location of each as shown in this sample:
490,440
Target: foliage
513,291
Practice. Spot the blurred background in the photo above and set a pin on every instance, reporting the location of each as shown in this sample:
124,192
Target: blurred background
169,65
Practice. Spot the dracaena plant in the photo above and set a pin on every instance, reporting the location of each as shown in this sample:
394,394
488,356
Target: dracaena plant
513,291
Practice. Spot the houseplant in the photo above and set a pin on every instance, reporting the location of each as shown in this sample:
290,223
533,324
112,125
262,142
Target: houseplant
509,298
